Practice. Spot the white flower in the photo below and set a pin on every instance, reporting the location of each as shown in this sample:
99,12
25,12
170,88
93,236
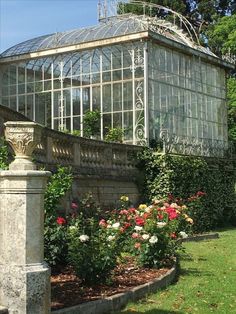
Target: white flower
138,228
161,224
116,225
148,209
153,239
111,238
84,238
183,234
174,205
145,236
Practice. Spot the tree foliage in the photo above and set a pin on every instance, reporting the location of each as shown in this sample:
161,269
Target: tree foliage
200,12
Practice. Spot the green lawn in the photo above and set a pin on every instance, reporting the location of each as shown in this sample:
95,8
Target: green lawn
206,283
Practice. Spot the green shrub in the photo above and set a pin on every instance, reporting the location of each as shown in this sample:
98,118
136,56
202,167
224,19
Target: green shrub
114,135
91,123
55,228
59,183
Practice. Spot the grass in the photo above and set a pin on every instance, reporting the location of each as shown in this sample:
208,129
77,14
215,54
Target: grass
206,283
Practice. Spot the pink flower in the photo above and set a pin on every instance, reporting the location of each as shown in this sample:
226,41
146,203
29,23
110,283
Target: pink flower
61,221
135,235
74,205
124,212
102,223
173,235
137,245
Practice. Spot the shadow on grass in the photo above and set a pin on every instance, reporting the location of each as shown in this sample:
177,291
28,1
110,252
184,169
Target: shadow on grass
154,311
193,272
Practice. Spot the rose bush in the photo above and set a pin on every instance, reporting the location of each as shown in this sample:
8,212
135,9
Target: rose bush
94,241
150,232
92,249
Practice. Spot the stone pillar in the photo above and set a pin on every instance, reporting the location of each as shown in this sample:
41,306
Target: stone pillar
24,276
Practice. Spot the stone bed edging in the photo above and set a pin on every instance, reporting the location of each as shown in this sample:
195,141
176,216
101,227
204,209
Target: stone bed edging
202,237
118,301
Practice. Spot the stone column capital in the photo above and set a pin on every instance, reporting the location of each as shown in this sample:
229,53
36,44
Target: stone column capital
23,136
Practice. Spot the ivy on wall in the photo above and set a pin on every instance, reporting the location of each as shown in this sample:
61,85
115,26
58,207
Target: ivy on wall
3,155
163,175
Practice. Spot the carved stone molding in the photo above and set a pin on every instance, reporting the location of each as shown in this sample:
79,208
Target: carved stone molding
23,138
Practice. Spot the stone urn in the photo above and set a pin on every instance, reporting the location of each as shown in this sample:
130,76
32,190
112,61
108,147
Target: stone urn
23,137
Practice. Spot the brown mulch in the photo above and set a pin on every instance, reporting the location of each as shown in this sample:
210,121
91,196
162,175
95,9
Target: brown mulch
68,290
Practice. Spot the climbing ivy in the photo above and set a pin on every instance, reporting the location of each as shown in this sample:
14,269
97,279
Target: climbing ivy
3,155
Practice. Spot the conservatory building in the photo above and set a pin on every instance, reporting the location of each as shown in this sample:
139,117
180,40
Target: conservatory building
143,74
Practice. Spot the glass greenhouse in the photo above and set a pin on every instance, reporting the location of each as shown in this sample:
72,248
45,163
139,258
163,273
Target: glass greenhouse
142,73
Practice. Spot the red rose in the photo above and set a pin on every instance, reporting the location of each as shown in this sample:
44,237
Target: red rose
173,215
199,193
173,235
132,210
127,225
61,221
139,221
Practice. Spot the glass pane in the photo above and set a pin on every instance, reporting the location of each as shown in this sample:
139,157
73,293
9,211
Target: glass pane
76,101
86,98
21,107
29,106
106,96
96,105
117,97
128,96
12,101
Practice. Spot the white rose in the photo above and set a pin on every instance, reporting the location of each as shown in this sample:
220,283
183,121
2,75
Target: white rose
161,224
138,228
111,238
116,225
145,236
84,238
183,234
153,240
148,209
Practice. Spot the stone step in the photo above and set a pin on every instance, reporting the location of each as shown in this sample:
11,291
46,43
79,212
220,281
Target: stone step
3,310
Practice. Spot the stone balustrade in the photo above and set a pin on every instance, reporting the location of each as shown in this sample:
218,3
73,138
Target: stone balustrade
86,156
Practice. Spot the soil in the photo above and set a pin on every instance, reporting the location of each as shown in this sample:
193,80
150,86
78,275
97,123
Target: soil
68,290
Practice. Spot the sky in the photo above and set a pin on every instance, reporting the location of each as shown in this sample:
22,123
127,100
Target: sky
21,20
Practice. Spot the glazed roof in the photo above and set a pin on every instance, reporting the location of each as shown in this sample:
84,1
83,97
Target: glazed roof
110,28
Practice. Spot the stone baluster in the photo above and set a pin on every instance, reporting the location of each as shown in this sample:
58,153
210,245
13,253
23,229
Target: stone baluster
24,277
